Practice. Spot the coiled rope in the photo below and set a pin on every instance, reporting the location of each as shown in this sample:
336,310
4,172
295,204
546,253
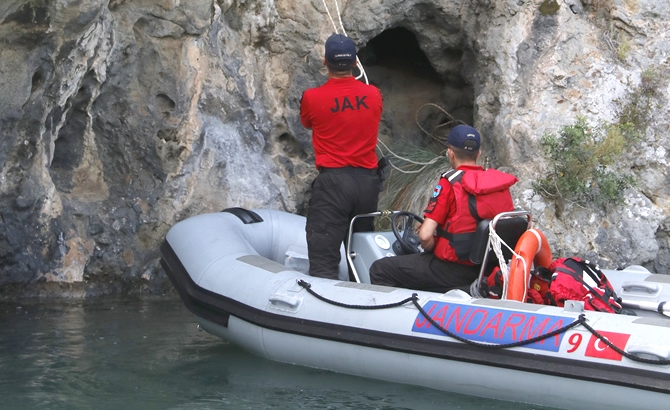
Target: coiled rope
581,320
381,144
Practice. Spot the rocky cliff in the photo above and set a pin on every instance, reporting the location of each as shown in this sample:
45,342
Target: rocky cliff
121,117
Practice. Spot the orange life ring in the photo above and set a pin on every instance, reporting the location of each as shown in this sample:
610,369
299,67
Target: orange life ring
532,247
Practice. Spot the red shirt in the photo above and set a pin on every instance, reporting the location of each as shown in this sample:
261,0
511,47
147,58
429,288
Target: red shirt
444,207
344,116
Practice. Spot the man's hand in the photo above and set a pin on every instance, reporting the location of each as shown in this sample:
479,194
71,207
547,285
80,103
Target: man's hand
427,234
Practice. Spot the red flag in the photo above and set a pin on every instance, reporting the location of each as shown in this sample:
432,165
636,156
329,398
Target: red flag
598,348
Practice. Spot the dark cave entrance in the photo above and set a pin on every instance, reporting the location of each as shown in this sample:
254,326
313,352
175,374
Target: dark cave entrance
398,49
396,64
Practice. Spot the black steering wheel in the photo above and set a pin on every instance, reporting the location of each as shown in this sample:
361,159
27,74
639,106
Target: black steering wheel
409,242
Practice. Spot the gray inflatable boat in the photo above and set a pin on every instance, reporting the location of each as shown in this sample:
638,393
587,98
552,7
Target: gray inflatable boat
242,273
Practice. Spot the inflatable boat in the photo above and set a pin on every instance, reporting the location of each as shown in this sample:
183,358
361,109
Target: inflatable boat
243,274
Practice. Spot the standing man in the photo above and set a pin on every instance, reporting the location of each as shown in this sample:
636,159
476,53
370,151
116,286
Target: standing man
463,197
344,116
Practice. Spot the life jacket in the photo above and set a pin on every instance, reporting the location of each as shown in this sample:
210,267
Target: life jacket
480,194
569,282
563,280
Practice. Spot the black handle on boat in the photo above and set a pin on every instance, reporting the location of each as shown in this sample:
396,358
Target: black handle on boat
652,306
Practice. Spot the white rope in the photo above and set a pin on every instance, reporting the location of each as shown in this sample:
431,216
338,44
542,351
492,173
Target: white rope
405,171
331,17
339,18
365,76
423,164
496,243
362,70
358,62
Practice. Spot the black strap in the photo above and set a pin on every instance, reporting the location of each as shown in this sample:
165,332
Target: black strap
472,206
451,236
454,176
350,170
597,277
245,215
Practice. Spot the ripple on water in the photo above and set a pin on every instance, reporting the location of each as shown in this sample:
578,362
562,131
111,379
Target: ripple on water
148,354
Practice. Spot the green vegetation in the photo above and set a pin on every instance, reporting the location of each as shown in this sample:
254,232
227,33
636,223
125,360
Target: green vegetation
584,160
583,163
637,106
623,49
416,162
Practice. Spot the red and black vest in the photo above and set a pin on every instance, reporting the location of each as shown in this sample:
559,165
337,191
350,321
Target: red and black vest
480,194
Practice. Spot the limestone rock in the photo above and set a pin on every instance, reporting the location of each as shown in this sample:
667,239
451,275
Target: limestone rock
120,118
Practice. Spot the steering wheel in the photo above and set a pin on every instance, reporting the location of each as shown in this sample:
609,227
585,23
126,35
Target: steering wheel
409,242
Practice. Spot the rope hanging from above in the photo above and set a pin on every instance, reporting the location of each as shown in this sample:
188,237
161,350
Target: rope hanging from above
451,121
339,18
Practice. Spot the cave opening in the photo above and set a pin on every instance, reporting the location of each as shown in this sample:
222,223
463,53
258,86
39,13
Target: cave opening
413,88
398,49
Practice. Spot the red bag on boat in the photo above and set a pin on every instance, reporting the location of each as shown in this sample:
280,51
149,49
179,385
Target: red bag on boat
578,279
538,291
494,284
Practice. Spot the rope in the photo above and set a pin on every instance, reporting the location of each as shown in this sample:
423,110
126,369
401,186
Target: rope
622,352
452,122
581,320
386,215
339,18
363,74
423,164
308,287
331,17
431,162
496,243
431,134
415,300
503,345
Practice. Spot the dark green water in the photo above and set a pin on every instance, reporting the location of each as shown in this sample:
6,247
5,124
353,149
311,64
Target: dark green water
148,354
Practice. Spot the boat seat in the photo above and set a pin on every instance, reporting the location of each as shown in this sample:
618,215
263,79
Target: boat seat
509,226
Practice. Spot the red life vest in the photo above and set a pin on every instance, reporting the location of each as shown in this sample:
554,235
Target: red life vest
568,283
480,194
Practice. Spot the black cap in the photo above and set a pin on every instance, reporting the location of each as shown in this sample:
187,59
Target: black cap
464,137
340,51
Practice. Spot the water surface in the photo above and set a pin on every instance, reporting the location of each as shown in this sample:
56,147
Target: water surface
148,354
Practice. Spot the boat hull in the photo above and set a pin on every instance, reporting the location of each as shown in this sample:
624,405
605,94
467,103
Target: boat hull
239,291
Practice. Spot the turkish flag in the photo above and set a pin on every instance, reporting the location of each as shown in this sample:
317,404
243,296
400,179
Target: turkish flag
598,348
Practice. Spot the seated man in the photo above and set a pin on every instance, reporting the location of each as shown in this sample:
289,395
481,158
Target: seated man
463,196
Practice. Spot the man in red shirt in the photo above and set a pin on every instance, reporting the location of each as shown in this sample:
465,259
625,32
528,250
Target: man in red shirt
463,197
344,116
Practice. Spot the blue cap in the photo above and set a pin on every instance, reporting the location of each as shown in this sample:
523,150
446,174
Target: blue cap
464,137
340,51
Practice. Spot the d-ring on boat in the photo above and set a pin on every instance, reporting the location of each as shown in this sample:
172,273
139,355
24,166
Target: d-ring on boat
242,274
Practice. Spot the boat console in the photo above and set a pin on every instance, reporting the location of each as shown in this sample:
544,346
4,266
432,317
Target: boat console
366,247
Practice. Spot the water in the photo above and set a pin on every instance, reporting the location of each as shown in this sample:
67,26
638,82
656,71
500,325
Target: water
148,354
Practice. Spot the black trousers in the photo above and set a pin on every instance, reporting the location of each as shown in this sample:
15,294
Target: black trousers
338,194
422,271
